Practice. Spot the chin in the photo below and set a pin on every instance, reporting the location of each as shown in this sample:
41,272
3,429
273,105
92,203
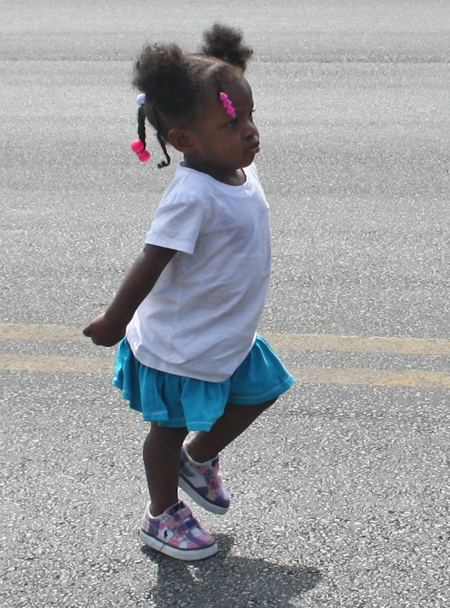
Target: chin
247,162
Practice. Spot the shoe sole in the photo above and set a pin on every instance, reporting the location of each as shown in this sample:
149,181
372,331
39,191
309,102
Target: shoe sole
184,484
185,555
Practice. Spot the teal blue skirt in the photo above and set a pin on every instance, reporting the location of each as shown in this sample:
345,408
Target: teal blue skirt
177,401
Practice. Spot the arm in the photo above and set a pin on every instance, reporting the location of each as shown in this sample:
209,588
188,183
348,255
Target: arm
109,328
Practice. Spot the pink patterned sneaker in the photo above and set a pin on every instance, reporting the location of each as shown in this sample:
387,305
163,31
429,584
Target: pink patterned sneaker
177,533
203,483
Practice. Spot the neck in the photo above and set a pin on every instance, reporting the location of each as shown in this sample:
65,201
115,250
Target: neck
231,178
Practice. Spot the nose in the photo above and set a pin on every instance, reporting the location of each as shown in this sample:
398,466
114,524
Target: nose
250,131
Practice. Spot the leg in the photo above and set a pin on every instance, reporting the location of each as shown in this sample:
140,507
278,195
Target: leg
162,464
234,421
171,531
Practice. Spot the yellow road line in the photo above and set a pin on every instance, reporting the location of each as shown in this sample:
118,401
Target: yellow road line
371,377
309,375
15,331
360,344
313,342
82,365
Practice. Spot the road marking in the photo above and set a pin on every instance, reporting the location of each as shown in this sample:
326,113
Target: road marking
314,342
66,333
360,344
371,377
82,365
306,374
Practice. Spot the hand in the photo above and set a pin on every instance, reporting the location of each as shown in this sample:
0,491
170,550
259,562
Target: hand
109,328
103,332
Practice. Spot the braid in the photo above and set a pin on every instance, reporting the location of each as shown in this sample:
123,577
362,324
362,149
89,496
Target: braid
162,143
175,83
141,124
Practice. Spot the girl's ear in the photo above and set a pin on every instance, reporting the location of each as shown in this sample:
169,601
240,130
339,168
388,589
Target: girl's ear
182,140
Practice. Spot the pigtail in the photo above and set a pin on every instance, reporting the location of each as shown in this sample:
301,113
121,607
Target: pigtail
162,73
141,124
225,43
162,143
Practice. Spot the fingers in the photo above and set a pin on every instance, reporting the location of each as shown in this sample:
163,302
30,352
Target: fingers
103,333
87,331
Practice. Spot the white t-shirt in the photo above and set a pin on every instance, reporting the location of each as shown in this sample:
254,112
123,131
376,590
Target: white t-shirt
200,319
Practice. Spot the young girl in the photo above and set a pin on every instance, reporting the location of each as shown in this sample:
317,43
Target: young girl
190,305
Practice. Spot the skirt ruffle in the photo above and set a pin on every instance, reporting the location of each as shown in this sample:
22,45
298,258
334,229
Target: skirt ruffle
170,400
178,401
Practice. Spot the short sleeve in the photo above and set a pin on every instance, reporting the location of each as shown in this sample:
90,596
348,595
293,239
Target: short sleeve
177,223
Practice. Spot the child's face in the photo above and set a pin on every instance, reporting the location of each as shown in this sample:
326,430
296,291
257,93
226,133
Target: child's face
222,144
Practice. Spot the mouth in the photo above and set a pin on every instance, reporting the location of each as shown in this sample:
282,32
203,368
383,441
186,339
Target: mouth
254,149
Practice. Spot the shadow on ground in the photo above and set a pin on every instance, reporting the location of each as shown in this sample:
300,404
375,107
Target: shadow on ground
227,581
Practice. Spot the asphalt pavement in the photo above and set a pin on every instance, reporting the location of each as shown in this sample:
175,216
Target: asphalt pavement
340,493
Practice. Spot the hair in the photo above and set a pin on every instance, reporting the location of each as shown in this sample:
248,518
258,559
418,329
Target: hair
176,84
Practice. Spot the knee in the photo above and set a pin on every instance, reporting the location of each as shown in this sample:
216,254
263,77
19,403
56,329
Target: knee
163,439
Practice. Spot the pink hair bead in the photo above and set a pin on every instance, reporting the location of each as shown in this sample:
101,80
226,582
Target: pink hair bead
144,156
137,146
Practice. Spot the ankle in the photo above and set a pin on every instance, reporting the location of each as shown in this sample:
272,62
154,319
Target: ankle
157,508
198,456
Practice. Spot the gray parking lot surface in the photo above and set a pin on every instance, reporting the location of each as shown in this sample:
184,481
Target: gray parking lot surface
340,493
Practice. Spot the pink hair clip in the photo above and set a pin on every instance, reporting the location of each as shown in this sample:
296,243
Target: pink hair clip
227,104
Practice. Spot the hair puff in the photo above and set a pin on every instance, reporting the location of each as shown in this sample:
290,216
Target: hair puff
225,43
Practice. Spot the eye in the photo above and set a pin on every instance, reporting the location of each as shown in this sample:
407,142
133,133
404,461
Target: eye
252,111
